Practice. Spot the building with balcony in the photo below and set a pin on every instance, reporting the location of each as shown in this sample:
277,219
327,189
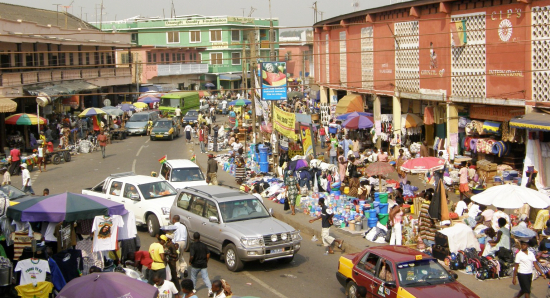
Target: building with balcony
186,52
58,59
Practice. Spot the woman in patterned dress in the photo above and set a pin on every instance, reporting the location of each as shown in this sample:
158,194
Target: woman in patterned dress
292,189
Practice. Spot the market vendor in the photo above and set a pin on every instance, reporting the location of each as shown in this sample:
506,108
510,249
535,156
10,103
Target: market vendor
463,188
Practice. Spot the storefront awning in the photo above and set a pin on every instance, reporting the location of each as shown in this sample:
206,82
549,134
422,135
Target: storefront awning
7,105
532,121
350,103
230,77
61,89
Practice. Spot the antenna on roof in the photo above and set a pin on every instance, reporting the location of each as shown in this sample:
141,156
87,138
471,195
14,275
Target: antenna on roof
355,5
252,10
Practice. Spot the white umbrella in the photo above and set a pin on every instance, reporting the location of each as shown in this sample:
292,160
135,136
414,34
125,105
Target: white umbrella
510,196
114,112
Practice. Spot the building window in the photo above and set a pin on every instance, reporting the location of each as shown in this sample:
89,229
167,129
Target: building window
167,57
194,36
288,56
195,58
87,58
235,35
154,57
216,35
172,37
149,57
134,37
179,57
102,59
41,59
161,57
174,57
124,58
216,58
28,60
62,58
236,58
71,59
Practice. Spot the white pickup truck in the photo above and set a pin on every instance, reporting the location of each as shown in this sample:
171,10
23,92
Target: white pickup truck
150,198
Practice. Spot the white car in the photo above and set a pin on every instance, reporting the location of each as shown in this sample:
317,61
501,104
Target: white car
150,198
181,173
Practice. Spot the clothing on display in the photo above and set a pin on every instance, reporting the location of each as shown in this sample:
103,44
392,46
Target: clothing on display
57,276
41,290
89,257
33,271
48,231
21,240
84,227
129,229
70,263
65,234
105,232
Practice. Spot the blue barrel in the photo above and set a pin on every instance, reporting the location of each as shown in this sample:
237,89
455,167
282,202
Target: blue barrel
376,195
383,207
372,222
372,214
264,164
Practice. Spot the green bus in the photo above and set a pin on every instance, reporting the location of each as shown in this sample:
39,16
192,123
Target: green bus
187,100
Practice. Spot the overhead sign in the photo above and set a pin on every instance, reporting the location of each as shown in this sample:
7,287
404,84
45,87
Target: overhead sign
495,113
213,21
284,123
273,80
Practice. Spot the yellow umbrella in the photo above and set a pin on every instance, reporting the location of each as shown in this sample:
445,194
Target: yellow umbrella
140,105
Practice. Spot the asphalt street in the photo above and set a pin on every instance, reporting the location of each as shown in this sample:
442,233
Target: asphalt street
310,274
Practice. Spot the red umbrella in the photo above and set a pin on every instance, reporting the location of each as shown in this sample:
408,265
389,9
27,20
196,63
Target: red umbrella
423,165
379,168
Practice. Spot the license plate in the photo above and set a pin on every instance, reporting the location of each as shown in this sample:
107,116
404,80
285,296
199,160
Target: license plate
276,251
160,136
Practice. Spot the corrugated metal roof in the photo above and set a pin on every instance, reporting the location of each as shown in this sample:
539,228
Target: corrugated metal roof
41,16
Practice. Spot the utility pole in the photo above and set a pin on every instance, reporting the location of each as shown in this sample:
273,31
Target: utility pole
271,36
101,17
57,15
253,57
245,68
314,12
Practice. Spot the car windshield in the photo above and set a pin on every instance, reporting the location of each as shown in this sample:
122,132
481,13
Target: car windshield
139,118
156,190
163,124
12,192
192,114
186,174
422,273
242,210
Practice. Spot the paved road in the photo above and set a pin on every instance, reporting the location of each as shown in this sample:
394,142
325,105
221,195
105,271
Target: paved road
311,274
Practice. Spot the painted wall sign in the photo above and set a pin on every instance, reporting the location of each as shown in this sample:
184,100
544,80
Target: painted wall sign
495,113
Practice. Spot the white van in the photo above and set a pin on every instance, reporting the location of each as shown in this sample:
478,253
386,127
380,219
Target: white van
181,173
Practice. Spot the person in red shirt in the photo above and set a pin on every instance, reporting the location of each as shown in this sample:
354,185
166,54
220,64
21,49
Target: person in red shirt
142,258
15,155
102,139
322,136
201,139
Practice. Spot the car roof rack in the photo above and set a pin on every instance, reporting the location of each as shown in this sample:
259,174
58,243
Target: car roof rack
124,174
199,191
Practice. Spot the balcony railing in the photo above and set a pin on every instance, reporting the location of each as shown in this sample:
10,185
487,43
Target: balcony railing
45,76
217,68
181,69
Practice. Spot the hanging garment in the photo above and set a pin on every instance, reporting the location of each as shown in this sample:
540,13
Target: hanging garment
441,131
70,263
105,232
32,271
129,230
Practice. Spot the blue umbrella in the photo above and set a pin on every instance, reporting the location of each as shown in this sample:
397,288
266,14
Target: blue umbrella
209,85
126,107
344,117
240,102
149,99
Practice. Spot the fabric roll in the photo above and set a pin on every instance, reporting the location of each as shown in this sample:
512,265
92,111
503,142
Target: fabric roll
473,145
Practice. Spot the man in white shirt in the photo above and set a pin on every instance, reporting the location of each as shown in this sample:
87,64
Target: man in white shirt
224,106
236,145
167,289
26,175
178,112
461,207
7,177
180,238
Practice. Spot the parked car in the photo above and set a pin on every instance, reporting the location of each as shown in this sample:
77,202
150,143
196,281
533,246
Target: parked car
165,128
181,173
137,124
148,197
15,194
236,225
205,107
398,271
219,108
191,117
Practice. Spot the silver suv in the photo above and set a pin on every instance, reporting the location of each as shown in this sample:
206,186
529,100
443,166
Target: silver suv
236,225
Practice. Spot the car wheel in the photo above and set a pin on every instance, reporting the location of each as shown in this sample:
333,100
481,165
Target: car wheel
153,226
67,156
152,139
232,260
351,289
286,260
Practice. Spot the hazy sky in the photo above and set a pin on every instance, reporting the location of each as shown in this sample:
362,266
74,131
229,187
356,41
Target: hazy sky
289,12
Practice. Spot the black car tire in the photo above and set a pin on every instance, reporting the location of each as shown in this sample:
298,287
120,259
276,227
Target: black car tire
56,159
351,289
153,226
231,257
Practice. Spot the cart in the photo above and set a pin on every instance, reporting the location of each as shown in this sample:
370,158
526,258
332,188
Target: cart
57,155
119,133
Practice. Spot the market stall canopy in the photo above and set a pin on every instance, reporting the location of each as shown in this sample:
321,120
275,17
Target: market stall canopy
230,77
411,120
240,102
350,103
532,121
461,237
353,114
7,105
510,196
127,107
64,207
423,165
91,112
25,119
108,284
359,122
61,89
114,112
149,99
379,168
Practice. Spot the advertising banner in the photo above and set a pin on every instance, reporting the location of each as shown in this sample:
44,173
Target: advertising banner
273,80
284,123
307,141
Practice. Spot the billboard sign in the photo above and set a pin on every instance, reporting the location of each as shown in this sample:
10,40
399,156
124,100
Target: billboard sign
273,80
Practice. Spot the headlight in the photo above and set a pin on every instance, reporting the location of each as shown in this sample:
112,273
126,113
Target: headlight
195,121
165,210
284,236
295,235
254,241
166,133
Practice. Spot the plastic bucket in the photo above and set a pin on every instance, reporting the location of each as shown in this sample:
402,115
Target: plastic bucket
358,225
383,218
383,198
365,222
372,222
372,214
383,208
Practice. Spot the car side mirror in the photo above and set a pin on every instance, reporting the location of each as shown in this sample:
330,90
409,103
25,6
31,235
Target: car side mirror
455,276
271,211
134,197
390,284
213,219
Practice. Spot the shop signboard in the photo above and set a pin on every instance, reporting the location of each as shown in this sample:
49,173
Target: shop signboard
284,123
307,141
495,113
273,80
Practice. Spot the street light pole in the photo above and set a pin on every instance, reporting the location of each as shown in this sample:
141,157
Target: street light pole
271,36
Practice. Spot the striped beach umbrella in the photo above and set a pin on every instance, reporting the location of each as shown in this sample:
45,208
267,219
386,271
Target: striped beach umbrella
25,119
411,120
91,112
140,105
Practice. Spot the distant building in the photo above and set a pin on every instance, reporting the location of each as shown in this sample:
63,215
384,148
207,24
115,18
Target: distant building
298,54
186,52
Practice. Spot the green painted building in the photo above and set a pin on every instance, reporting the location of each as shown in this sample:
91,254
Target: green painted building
215,41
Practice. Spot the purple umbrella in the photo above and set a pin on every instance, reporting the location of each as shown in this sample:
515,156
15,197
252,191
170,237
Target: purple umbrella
148,99
64,207
126,107
107,284
358,122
